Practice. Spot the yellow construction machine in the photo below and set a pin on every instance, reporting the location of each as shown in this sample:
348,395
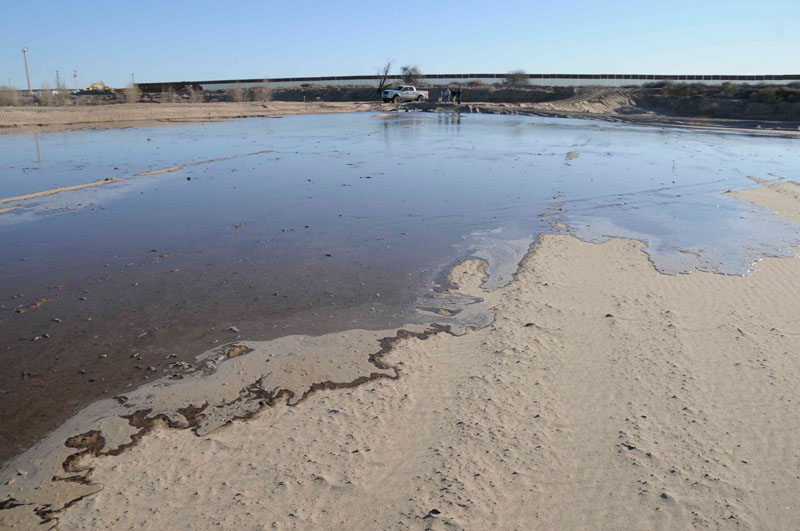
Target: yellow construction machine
98,87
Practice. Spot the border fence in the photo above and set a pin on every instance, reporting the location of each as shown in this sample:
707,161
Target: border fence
444,79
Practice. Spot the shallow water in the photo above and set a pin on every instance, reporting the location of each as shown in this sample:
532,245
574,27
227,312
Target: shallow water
345,221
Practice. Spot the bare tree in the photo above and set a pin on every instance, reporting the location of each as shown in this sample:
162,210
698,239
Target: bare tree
411,74
517,78
383,72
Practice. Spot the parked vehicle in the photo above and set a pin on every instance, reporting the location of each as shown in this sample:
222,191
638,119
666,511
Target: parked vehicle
403,93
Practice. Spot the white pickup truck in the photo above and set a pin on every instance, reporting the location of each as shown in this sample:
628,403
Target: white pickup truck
404,93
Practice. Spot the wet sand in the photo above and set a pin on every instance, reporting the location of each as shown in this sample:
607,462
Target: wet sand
603,395
172,338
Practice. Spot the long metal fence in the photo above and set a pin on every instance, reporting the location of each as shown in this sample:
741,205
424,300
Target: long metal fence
442,79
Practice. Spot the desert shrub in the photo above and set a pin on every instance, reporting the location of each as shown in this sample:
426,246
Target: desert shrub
678,90
411,74
767,95
794,84
61,95
729,90
45,95
475,83
235,94
262,93
132,94
168,96
196,95
656,84
788,94
8,96
517,78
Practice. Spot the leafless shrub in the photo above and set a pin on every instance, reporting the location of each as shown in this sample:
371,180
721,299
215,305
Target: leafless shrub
8,96
132,93
262,93
476,83
45,95
61,94
196,95
517,78
411,74
235,94
169,96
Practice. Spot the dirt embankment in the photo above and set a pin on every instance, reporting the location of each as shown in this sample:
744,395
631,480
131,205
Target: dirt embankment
728,101
681,105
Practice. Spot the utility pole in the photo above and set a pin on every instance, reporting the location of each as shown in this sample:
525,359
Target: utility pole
27,72
133,81
58,81
75,76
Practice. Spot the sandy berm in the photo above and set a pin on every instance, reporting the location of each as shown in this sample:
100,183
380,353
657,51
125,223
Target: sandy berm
605,395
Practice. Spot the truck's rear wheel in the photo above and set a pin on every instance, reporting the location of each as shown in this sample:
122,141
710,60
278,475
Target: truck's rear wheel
396,99
419,98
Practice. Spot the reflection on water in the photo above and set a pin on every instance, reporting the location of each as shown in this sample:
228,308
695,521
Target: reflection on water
453,175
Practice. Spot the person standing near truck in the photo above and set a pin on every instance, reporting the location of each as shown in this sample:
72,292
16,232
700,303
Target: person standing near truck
458,95
447,95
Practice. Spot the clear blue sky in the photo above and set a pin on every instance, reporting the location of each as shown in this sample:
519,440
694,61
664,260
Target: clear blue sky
199,39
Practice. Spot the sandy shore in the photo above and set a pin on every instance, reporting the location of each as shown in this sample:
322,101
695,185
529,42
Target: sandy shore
603,396
782,197
22,119
612,107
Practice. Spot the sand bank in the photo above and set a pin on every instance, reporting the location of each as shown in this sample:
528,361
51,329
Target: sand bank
783,198
23,119
52,191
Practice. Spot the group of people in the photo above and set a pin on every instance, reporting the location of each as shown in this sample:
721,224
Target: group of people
449,96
